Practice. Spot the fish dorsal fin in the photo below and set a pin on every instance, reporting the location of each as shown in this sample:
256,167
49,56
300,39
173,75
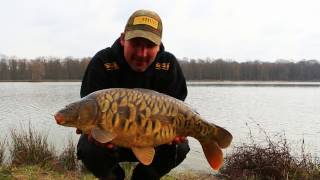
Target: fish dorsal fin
147,91
144,155
213,154
101,135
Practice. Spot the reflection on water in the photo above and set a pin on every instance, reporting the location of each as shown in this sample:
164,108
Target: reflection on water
293,110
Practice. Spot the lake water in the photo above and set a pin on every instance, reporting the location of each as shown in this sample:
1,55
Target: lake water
292,109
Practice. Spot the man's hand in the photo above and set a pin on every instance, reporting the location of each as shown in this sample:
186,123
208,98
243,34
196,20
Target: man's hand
107,145
179,139
78,131
92,140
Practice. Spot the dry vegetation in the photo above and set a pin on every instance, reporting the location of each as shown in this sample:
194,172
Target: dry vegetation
2,146
273,160
29,148
33,158
68,158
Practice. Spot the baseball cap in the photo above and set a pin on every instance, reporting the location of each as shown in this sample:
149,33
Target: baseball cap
146,24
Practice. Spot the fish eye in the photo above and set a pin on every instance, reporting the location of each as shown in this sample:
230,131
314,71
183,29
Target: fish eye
69,108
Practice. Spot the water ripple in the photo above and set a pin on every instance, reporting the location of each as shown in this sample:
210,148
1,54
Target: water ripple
240,109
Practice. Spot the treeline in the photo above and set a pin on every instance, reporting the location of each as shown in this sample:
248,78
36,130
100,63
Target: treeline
49,68
42,69
281,70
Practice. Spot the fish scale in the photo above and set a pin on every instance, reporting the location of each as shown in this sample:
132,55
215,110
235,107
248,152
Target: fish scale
142,119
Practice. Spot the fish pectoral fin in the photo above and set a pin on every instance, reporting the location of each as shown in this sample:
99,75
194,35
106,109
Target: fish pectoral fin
101,135
147,91
144,155
213,154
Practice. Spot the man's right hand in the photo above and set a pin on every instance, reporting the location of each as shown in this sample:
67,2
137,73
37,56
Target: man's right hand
92,140
107,145
78,131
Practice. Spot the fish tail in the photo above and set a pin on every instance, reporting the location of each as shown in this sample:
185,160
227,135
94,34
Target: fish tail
212,143
213,154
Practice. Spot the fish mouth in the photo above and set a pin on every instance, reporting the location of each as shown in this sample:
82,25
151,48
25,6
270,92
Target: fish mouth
59,118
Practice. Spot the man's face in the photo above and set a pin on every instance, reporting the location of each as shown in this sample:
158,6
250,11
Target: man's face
139,52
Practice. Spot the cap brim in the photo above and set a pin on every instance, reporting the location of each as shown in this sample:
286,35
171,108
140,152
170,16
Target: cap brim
143,34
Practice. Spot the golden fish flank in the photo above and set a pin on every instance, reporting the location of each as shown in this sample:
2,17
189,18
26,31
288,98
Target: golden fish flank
155,109
138,102
122,94
108,97
163,111
147,112
143,105
105,105
173,111
150,104
124,101
116,95
114,107
106,116
141,119
159,103
133,112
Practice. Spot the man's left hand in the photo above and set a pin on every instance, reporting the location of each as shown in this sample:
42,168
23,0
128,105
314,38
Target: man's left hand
179,139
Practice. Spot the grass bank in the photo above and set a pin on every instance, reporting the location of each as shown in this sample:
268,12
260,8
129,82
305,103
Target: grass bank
32,157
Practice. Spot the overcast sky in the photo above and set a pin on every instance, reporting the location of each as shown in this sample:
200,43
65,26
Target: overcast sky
240,30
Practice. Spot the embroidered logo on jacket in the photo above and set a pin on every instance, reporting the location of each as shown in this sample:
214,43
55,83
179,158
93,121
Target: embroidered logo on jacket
162,66
111,66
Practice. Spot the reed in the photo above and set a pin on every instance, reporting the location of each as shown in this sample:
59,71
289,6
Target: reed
30,148
68,158
270,160
2,150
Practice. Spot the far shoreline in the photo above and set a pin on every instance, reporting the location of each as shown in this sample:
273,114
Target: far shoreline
208,83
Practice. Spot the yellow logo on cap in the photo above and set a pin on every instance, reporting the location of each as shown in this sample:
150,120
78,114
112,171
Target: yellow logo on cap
146,20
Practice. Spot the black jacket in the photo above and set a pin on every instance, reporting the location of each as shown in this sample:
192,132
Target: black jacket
108,69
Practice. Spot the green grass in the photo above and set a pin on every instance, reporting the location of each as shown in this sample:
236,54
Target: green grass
43,173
